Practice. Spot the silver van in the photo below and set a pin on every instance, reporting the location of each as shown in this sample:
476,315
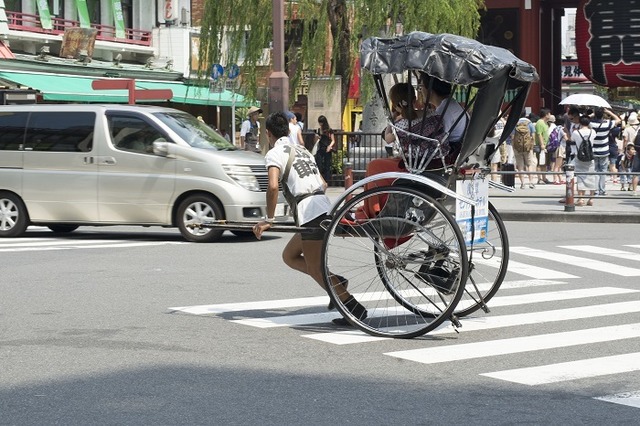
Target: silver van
64,166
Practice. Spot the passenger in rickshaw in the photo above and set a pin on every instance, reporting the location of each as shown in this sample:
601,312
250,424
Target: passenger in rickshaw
412,126
454,117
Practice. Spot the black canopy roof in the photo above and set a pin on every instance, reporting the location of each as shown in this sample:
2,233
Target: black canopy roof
451,58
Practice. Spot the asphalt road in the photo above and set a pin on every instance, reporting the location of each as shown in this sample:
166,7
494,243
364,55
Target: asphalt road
90,334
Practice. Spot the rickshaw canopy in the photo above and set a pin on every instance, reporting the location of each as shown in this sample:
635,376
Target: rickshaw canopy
448,57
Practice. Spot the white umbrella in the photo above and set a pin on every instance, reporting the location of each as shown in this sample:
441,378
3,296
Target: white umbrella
585,99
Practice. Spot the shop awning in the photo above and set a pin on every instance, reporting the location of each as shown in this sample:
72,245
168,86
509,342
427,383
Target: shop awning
67,88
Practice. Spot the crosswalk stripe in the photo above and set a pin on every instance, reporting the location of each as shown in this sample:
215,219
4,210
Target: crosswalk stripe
550,296
317,318
572,370
601,251
51,242
631,399
531,271
90,246
493,322
582,262
312,301
519,344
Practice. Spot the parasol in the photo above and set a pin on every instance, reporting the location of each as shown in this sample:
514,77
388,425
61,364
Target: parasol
585,99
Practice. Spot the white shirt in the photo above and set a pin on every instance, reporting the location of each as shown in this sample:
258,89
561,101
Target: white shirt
304,178
246,128
294,131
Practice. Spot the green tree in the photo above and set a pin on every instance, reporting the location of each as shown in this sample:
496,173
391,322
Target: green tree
318,24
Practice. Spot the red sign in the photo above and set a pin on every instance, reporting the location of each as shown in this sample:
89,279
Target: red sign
608,41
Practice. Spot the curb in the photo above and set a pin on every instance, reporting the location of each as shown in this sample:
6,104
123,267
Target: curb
568,217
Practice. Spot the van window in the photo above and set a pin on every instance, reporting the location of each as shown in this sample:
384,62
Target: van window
12,127
194,132
60,131
133,134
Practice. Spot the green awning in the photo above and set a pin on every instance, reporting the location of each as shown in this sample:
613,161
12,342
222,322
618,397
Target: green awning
66,88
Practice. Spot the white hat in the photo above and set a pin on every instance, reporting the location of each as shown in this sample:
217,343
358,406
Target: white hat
254,109
633,119
552,118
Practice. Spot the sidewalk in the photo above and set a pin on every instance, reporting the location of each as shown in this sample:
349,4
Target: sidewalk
541,205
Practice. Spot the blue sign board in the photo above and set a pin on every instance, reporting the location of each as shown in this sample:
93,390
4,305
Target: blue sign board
233,71
216,71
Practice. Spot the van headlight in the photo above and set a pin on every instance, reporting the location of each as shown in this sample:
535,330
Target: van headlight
243,175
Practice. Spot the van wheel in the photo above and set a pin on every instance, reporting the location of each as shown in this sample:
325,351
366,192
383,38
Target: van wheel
195,210
62,229
14,218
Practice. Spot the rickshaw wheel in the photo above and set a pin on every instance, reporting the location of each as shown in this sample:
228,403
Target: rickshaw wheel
403,256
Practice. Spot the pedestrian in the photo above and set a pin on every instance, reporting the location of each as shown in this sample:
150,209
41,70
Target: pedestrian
225,135
602,127
635,165
540,148
293,167
559,137
625,165
299,121
494,154
585,181
572,123
250,130
326,142
295,133
630,129
522,143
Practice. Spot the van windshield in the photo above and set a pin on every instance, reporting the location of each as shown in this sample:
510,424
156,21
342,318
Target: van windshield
194,132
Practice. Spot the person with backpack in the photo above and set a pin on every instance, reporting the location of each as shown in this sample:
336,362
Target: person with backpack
583,137
556,149
522,144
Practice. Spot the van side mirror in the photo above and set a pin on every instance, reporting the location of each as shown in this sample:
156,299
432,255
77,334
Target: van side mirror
161,148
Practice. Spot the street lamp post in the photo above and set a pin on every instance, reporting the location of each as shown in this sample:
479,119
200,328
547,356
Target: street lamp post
278,80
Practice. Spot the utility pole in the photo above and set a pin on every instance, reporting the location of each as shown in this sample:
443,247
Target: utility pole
278,80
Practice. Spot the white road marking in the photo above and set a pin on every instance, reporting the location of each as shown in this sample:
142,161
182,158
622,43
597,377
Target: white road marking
582,262
631,399
489,348
572,370
556,295
75,245
493,322
601,251
537,272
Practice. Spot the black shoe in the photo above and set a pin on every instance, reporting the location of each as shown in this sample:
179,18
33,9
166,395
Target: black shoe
439,277
355,308
345,283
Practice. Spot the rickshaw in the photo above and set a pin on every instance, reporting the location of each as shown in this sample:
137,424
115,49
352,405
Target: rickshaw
395,237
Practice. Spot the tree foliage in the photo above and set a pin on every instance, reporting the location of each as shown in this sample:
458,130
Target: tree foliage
328,32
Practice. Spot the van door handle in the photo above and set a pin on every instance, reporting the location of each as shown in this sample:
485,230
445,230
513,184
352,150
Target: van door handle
89,160
107,161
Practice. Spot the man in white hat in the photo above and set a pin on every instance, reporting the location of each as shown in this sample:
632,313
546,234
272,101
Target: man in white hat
250,130
631,129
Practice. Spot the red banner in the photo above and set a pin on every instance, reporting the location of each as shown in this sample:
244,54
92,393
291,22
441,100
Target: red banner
608,41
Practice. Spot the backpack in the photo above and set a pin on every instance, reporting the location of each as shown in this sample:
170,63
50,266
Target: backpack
554,139
522,140
585,151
